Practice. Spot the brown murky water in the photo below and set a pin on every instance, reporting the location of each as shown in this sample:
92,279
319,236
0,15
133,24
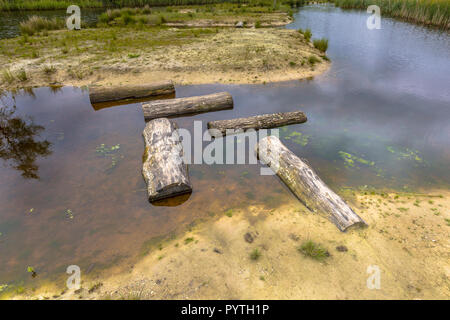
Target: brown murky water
375,120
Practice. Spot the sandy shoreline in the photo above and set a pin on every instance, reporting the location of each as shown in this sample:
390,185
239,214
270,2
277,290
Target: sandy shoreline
185,56
407,239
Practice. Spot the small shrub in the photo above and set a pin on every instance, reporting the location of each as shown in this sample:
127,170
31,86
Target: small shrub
258,24
132,55
37,24
49,69
22,75
7,76
255,254
313,60
188,240
313,250
307,34
229,213
321,44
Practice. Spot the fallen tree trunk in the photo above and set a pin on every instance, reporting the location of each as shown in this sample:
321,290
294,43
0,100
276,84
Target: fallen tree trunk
306,184
164,170
181,106
265,121
113,93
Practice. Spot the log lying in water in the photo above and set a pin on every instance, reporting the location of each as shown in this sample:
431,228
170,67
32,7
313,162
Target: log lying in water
305,184
164,170
113,93
265,121
181,106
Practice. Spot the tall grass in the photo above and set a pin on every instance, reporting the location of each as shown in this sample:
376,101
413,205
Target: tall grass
427,12
11,5
37,24
321,44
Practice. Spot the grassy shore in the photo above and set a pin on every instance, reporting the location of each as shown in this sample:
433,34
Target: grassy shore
13,5
427,12
135,45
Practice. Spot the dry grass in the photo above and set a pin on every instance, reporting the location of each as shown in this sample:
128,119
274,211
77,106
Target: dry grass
37,24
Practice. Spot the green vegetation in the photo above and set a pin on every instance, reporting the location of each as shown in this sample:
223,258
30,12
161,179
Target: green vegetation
108,152
188,240
313,250
22,75
307,34
49,69
7,76
298,137
12,5
95,287
313,60
255,254
37,24
428,12
229,213
69,214
321,44
250,14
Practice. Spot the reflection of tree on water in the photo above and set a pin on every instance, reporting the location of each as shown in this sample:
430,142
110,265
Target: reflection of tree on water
17,140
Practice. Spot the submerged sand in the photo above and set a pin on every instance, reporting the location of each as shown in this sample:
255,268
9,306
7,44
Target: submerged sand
407,239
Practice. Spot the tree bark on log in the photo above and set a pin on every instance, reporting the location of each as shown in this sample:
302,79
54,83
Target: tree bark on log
181,106
113,93
306,184
265,121
164,170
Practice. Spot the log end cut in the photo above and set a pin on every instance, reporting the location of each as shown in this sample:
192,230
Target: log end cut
164,170
306,184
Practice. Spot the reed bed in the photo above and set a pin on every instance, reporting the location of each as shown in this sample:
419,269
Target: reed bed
37,24
13,5
427,12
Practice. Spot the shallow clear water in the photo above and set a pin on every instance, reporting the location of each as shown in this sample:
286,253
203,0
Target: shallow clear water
378,118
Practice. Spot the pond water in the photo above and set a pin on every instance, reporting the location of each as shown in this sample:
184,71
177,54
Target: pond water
71,186
10,21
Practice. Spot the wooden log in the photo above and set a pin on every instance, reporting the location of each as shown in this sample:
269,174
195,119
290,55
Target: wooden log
164,170
265,121
113,93
306,184
181,106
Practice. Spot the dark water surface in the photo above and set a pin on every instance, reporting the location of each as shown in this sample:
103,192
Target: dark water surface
379,118
10,21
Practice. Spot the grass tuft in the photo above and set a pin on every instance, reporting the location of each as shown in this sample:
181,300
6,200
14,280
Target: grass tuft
321,44
7,76
255,254
313,250
37,24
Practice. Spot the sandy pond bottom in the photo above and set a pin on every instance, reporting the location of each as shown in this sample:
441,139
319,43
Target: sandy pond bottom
407,239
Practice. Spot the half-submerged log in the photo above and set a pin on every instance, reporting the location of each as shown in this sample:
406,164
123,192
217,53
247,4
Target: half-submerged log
122,92
265,121
164,170
306,184
181,106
